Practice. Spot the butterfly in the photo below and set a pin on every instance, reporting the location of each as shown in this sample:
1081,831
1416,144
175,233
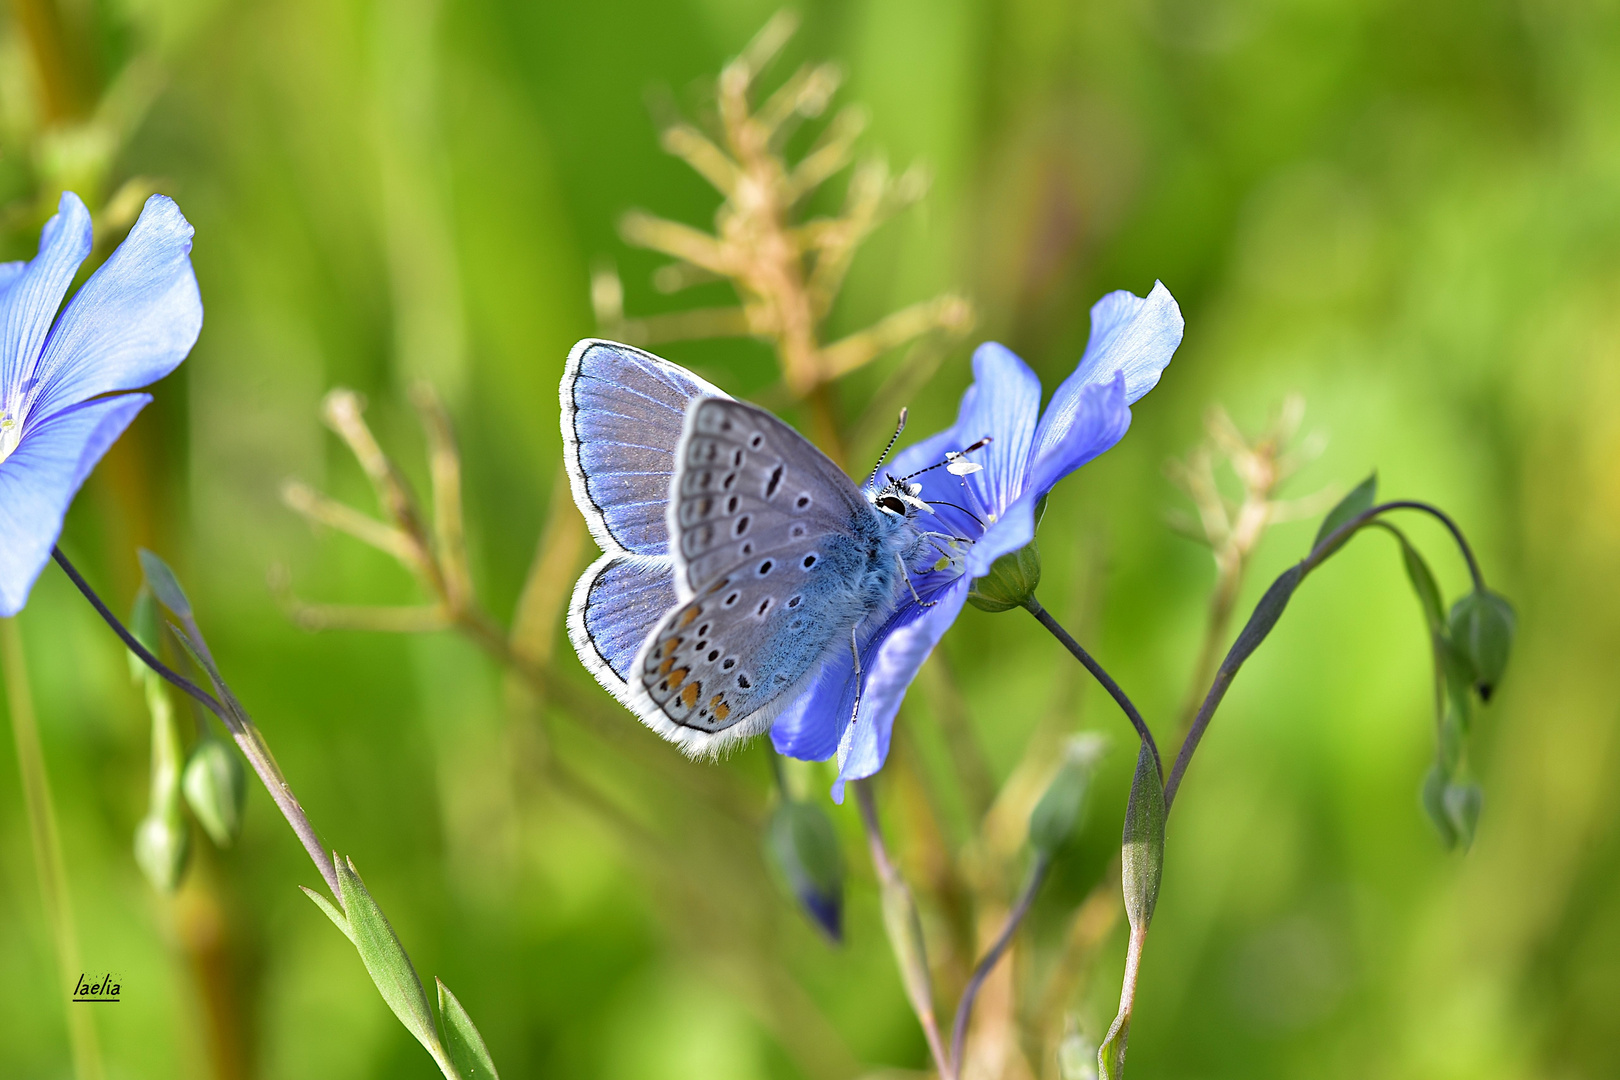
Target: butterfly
738,559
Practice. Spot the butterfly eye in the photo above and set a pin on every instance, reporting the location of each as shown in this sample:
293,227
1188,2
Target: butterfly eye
892,504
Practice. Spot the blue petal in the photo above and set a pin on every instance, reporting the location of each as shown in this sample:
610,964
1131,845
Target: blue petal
1128,333
132,322
890,669
39,479
809,729
1100,421
1003,403
31,292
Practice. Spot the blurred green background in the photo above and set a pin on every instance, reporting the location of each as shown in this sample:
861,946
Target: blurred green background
1410,213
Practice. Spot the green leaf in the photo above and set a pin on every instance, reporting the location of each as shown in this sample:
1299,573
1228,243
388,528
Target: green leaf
466,1046
143,623
164,584
215,784
1360,498
1266,614
1434,804
385,957
1482,628
331,912
1423,583
803,845
1142,851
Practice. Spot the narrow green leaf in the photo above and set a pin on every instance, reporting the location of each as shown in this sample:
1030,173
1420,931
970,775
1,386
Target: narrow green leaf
331,912
466,1046
385,957
1360,498
1266,614
1143,849
1111,1054
164,584
904,927
1423,583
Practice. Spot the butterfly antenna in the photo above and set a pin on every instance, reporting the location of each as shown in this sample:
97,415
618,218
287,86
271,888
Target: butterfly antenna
950,458
898,428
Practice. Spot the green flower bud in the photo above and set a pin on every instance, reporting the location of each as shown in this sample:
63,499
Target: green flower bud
216,785
1434,804
1482,626
162,845
1059,811
1011,581
1463,803
802,843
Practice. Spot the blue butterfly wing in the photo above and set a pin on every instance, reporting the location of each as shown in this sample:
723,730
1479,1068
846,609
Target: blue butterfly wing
622,414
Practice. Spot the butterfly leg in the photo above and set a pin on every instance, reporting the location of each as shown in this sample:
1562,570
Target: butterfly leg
920,601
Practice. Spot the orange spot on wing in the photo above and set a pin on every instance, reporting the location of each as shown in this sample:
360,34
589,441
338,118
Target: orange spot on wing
691,614
663,669
720,709
678,676
690,694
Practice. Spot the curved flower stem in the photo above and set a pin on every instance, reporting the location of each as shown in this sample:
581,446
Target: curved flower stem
1015,918
1098,673
1241,648
242,729
905,932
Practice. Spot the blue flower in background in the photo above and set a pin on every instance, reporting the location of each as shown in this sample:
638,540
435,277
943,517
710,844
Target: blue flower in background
130,324
1132,339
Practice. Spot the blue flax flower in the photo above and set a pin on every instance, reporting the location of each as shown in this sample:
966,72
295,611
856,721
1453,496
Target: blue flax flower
129,325
1132,339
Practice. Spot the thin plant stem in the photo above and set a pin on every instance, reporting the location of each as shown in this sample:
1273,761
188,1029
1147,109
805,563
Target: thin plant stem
1326,547
894,885
235,719
1097,672
47,840
1015,918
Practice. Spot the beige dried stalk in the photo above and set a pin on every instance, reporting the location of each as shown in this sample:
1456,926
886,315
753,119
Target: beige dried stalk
787,270
1233,528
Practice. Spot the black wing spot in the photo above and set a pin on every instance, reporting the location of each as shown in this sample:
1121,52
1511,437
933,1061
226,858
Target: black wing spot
703,631
737,457
731,505
731,601
802,501
764,606
741,526
731,478
765,567
810,560
794,601
774,482
742,681
757,441
747,548
714,654
797,532
729,664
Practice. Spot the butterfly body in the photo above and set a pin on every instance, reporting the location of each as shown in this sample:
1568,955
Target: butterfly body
772,560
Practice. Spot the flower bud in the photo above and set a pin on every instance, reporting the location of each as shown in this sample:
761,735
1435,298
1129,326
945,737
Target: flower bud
1059,811
216,785
801,842
1011,581
1434,804
1482,625
1463,803
162,844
